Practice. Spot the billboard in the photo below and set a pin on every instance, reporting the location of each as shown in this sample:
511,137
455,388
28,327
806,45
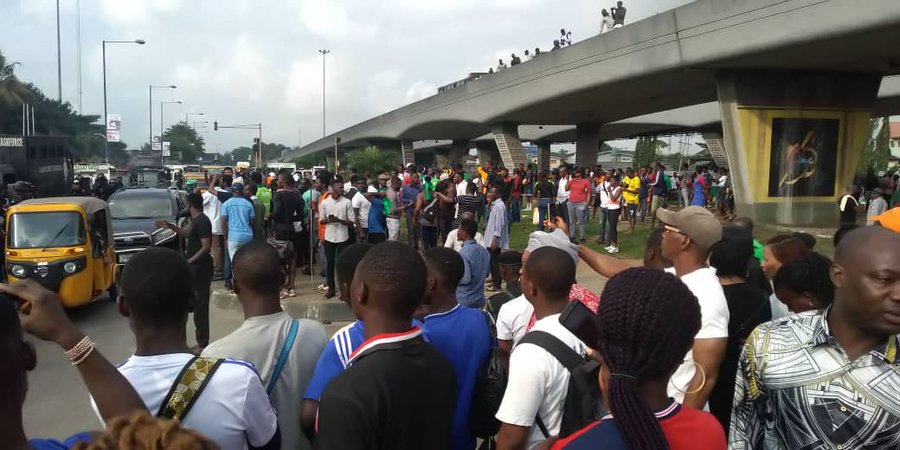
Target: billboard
113,127
803,161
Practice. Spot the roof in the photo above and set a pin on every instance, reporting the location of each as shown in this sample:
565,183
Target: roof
90,204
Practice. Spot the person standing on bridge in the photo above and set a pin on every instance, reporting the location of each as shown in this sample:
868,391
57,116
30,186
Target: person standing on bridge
606,22
618,14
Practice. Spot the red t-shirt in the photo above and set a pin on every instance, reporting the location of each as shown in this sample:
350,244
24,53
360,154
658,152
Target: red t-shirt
579,190
684,428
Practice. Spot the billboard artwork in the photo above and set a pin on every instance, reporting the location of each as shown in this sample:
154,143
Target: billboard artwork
113,128
803,157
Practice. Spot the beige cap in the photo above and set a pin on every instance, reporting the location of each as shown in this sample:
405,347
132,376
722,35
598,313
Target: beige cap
696,222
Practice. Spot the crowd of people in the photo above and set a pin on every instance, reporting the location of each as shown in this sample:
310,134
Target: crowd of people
461,341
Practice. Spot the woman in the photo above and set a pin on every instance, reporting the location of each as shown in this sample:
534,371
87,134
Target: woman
777,252
545,192
579,189
613,209
699,183
606,22
804,284
646,323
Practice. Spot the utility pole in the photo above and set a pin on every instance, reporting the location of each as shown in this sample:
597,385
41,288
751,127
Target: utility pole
59,57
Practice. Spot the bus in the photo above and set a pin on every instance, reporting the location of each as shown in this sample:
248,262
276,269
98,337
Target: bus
44,161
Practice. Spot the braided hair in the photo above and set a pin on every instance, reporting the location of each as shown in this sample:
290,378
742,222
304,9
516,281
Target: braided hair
140,431
647,323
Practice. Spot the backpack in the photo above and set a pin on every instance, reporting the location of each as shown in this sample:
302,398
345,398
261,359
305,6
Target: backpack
489,388
429,212
583,404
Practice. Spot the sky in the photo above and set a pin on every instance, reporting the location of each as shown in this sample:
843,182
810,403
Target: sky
251,61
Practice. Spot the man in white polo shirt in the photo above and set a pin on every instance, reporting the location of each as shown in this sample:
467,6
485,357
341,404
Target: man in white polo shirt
689,234
231,407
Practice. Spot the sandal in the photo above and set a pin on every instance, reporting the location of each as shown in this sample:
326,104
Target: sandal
282,295
291,293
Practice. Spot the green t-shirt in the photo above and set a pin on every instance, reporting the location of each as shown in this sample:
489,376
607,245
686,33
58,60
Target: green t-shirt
758,250
264,195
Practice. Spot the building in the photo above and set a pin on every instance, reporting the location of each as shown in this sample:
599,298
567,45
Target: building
894,160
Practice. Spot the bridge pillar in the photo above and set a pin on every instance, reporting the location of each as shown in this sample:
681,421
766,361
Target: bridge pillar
487,152
587,137
458,152
793,139
543,159
406,152
506,135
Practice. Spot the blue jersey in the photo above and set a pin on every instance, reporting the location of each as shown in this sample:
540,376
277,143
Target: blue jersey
335,358
376,215
462,336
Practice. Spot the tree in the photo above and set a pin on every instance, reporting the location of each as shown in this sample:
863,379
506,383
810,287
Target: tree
645,152
12,91
878,147
184,140
370,161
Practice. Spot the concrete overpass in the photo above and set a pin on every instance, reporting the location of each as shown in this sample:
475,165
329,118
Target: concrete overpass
761,63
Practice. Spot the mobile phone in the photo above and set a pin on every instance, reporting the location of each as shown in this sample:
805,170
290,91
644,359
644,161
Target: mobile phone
578,319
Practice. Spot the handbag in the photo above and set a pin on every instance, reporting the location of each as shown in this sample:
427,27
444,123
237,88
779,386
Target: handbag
535,217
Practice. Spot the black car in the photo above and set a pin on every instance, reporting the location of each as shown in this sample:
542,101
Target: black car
134,214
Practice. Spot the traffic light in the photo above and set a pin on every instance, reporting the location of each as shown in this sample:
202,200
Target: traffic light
215,126
256,141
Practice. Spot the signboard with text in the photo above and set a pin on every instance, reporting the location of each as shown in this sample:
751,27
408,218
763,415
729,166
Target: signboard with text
165,149
113,127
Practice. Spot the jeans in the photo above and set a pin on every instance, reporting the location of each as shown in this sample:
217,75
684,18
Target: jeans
543,204
642,207
515,210
332,250
429,236
654,206
393,228
604,222
562,211
577,216
613,225
201,277
495,268
233,247
412,230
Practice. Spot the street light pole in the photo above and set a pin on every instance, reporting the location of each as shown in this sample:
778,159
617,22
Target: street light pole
323,52
58,57
171,86
188,115
105,106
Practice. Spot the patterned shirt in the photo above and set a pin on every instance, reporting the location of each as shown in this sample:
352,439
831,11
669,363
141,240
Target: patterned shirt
797,389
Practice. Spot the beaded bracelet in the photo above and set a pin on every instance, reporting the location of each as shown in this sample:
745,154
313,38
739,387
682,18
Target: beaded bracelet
80,349
83,357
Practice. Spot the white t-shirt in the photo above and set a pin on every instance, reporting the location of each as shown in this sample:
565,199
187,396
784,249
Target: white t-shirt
613,192
336,232
212,208
461,187
538,383
232,410
714,316
513,318
604,195
722,181
360,201
454,243
561,193
260,340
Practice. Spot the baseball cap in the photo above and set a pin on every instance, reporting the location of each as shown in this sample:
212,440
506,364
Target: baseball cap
889,219
696,223
236,187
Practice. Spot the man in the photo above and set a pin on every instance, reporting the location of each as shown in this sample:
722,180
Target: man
212,209
510,267
496,235
453,237
335,358
658,191
461,334
562,194
477,262
259,212
538,382
396,370
848,206
283,350
618,14
336,213
199,243
23,190
361,206
408,195
631,189
828,378
877,206
231,407
237,219
687,240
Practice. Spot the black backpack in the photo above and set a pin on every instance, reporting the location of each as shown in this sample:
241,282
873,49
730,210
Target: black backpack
429,212
583,404
489,388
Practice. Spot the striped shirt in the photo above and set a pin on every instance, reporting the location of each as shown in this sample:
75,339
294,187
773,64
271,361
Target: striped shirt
477,261
469,203
497,226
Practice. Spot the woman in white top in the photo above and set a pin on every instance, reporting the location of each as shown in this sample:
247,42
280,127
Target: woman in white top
613,208
606,22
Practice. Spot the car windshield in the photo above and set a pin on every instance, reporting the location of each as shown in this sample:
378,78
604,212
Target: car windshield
46,229
140,207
